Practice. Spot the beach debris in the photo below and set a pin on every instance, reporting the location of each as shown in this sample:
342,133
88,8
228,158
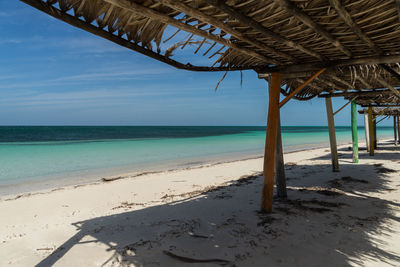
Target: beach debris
192,260
384,170
45,249
197,235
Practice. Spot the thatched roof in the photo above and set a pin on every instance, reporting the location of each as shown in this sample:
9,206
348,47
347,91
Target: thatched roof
382,111
357,41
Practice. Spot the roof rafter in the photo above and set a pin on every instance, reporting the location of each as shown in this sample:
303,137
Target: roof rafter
346,17
359,93
248,21
307,20
398,7
195,13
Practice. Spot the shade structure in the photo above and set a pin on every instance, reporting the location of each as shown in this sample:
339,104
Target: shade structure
325,48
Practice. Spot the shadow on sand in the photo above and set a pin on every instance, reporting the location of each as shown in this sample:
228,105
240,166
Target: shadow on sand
329,219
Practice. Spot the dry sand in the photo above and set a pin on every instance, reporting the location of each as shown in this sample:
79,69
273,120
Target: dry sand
211,214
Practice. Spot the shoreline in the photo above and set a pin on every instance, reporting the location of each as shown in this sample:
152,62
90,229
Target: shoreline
339,216
22,190
43,186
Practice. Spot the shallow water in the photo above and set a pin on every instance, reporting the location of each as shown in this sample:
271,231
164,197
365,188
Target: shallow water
29,154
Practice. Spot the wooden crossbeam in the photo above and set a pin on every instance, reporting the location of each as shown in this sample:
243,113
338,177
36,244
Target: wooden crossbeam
195,13
364,82
345,105
153,14
307,20
387,85
298,89
76,22
390,70
337,79
248,21
293,68
357,93
346,17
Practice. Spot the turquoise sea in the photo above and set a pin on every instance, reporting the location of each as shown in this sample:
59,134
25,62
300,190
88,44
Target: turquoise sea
40,155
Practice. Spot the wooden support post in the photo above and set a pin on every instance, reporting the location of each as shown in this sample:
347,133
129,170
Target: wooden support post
354,133
367,142
398,127
332,135
280,177
270,142
375,138
395,130
371,132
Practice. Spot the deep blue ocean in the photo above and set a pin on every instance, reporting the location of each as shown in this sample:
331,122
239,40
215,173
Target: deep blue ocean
39,153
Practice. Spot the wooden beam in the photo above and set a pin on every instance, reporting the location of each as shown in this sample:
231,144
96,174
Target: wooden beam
371,133
153,14
197,14
390,70
366,127
298,89
395,130
380,105
332,135
398,127
364,82
307,20
357,93
382,119
375,136
270,142
76,22
293,68
248,21
346,17
345,105
280,177
387,85
354,133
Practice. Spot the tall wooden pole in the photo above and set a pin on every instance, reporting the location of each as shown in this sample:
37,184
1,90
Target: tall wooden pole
398,127
395,130
375,137
332,135
366,124
270,142
280,177
354,133
371,133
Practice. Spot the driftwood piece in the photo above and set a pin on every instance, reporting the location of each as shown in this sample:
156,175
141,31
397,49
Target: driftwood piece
192,260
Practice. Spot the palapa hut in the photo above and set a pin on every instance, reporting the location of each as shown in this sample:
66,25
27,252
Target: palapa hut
304,49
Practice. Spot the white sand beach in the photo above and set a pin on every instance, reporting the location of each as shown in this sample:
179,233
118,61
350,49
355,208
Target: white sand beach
209,216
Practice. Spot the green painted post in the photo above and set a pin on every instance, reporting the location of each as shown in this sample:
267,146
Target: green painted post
354,131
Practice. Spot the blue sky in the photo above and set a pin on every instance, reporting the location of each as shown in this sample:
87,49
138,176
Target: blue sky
54,74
